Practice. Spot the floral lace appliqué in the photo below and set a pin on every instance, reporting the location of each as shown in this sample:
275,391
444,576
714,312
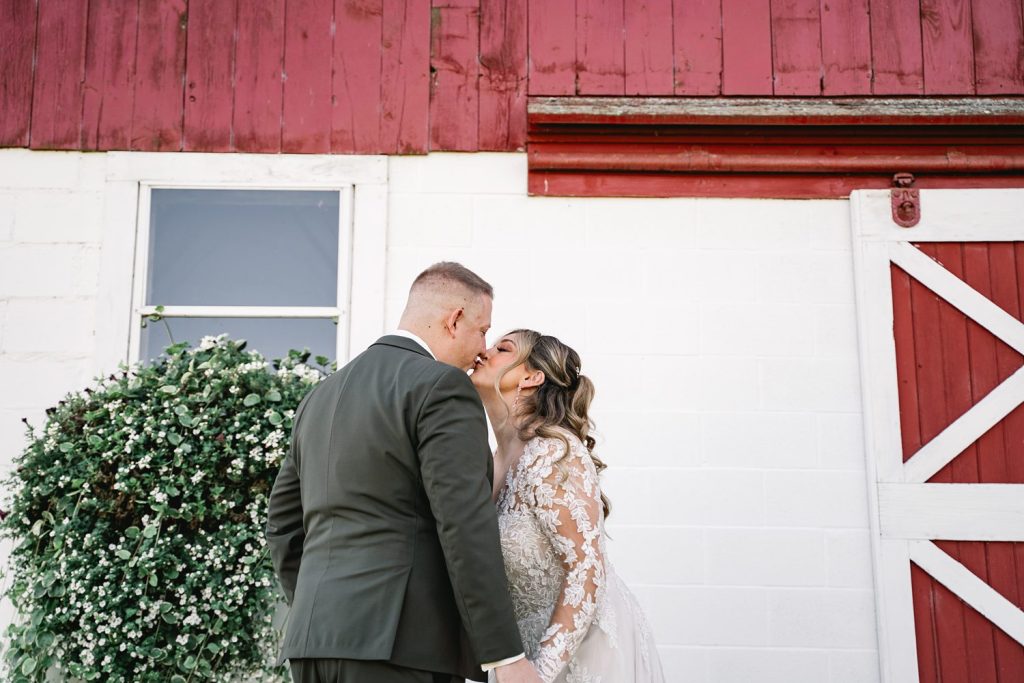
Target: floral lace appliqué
552,523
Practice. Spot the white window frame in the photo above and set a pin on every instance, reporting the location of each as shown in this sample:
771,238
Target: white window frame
130,178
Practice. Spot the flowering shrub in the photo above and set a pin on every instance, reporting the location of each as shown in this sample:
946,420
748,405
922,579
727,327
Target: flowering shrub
137,517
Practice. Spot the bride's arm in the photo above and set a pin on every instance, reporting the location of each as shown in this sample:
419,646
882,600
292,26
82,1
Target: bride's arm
568,506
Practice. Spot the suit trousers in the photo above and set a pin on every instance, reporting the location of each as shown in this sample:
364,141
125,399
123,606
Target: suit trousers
358,671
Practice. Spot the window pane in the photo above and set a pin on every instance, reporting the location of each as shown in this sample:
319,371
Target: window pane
243,248
270,336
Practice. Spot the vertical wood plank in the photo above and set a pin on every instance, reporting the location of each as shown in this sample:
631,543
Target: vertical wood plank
973,354
59,73
896,57
503,75
998,47
746,47
946,36
846,47
355,117
906,362
796,47
648,49
259,54
209,64
157,116
454,78
109,95
924,619
308,47
17,45
697,28
600,47
405,77
552,48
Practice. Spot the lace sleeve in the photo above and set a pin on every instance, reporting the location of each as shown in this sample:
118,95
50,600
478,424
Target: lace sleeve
567,504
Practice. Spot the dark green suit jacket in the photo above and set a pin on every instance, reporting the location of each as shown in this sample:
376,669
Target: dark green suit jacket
381,525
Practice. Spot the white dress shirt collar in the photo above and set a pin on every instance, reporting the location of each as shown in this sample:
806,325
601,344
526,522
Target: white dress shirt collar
409,335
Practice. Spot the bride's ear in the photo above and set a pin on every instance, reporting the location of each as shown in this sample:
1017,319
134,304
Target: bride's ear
532,380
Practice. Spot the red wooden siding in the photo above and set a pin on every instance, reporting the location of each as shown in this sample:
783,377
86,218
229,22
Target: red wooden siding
394,76
946,363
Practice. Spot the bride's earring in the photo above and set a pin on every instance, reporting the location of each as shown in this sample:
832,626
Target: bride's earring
515,402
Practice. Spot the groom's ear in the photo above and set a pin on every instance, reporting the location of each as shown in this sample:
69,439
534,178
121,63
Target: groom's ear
451,322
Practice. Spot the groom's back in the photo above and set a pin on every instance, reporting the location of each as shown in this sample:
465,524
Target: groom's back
372,570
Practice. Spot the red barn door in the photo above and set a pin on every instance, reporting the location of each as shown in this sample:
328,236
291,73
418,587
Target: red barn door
940,311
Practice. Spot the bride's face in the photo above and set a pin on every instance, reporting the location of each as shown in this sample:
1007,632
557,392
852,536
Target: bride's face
492,362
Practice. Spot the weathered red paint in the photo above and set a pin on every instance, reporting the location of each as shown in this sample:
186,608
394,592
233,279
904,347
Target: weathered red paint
56,101
17,44
946,31
999,47
454,72
503,74
946,363
405,77
746,47
308,36
796,47
648,47
259,58
698,47
600,60
209,69
356,115
897,65
115,75
846,47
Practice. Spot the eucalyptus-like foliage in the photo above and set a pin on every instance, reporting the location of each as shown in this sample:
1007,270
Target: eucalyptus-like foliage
137,519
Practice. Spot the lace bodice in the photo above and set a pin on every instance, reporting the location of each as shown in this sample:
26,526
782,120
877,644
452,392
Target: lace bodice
552,533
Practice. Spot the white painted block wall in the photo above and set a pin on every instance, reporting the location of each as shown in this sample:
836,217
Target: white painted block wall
720,335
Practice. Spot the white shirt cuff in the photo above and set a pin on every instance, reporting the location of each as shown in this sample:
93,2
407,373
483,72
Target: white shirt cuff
503,662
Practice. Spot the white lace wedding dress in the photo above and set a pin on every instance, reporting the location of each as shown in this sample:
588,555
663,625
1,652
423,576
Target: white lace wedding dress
578,620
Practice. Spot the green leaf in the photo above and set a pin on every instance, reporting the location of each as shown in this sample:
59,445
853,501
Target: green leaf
95,441
185,420
322,360
181,410
28,666
274,395
66,447
152,580
177,679
122,554
275,419
213,647
44,640
149,531
170,617
251,400
189,663
131,532
174,438
169,389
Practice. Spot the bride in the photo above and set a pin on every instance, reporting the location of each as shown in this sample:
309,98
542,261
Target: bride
578,620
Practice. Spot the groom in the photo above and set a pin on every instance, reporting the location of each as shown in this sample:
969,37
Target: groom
381,525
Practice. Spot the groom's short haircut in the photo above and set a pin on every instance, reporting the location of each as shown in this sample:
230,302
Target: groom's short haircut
448,273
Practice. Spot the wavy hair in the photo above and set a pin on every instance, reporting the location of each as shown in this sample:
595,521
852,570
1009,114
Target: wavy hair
562,402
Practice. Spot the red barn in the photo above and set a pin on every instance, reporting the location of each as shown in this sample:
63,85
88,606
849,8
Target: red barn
784,235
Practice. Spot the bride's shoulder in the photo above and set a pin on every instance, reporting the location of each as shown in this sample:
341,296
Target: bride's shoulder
547,450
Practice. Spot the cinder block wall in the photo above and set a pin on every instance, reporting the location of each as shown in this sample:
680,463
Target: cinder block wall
721,337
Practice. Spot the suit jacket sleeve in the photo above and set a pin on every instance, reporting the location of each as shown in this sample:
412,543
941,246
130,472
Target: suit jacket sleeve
285,532
454,456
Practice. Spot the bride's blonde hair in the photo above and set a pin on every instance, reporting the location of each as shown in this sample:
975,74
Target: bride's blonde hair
562,402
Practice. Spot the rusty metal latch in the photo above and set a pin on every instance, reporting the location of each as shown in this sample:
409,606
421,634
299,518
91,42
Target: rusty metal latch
906,200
